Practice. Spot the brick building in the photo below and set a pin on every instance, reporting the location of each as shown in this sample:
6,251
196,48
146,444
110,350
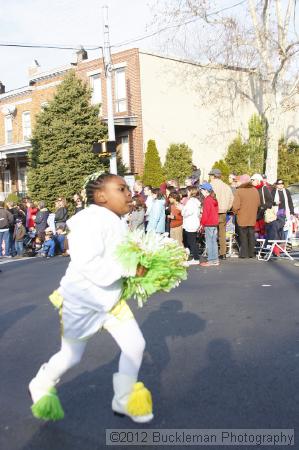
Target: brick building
19,107
154,97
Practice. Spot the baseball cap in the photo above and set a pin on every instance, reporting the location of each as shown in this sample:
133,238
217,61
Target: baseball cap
215,172
257,176
206,187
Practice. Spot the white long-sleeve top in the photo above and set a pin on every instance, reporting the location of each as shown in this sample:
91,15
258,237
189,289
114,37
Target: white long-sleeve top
92,283
191,213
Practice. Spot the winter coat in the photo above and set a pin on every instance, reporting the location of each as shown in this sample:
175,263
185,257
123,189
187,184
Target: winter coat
282,204
136,220
266,200
191,213
30,213
178,218
6,219
245,205
210,216
19,232
224,195
156,217
61,216
41,220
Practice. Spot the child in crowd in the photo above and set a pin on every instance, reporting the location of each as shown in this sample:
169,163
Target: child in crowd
48,248
89,293
38,245
61,238
18,236
209,221
191,213
175,217
136,216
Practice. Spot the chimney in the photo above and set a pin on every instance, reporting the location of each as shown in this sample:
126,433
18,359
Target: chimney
81,54
2,88
33,69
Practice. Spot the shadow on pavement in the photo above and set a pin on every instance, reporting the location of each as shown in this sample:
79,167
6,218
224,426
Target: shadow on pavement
8,319
87,398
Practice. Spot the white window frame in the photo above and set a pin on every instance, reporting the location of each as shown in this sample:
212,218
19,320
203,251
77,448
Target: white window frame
26,124
125,151
96,86
8,125
22,179
120,89
7,181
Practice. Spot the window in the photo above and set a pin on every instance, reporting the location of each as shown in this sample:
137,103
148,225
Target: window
7,182
120,90
96,86
26,125
22,180
8,130
125,151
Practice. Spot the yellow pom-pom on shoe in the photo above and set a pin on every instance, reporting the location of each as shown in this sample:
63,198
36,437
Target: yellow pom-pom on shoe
140,401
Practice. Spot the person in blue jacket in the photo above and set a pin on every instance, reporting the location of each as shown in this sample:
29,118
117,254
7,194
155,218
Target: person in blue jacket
156,217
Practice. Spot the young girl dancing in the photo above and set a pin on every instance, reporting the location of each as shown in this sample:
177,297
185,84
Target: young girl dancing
90,292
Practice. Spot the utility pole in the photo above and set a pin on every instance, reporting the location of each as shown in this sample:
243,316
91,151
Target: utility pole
108,75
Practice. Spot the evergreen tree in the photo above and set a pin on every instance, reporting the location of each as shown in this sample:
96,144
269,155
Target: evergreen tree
237,157
178,162
153,173
288,161
256,144
61,155
223,167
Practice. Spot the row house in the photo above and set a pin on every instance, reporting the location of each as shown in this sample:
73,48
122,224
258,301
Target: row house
18,109
154,97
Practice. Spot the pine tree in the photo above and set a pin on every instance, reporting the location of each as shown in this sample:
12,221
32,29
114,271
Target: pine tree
237,157
153,173
288,161
256,144
61,155
178,162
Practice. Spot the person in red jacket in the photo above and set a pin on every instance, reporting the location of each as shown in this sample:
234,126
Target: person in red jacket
209,221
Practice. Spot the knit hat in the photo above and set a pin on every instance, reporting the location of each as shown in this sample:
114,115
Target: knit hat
215,172
244,179
257,176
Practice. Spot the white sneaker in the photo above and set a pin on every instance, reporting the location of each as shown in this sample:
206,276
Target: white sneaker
193,262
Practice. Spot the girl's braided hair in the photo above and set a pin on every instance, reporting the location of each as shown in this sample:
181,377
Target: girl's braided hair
95,182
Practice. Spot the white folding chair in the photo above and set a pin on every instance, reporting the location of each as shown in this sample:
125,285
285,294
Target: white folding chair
266,251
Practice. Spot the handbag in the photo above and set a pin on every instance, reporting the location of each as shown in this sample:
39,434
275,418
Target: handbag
270,215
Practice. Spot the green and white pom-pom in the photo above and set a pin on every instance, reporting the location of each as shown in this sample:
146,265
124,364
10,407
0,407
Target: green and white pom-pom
164,258
48,407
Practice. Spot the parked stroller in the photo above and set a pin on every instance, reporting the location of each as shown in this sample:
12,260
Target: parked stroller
31,243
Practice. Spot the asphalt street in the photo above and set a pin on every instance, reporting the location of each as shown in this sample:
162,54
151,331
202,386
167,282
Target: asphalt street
222,353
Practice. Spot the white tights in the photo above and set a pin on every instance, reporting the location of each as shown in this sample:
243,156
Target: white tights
127,335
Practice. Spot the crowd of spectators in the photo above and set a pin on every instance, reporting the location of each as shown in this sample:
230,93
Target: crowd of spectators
195,215
31,229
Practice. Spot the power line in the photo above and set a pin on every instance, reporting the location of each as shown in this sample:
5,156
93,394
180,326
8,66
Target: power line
90,48
177,25
57,47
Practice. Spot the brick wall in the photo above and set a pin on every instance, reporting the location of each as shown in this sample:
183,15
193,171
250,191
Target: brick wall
43,91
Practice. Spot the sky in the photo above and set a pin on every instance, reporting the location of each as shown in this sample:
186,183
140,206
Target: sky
80,22
67,23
